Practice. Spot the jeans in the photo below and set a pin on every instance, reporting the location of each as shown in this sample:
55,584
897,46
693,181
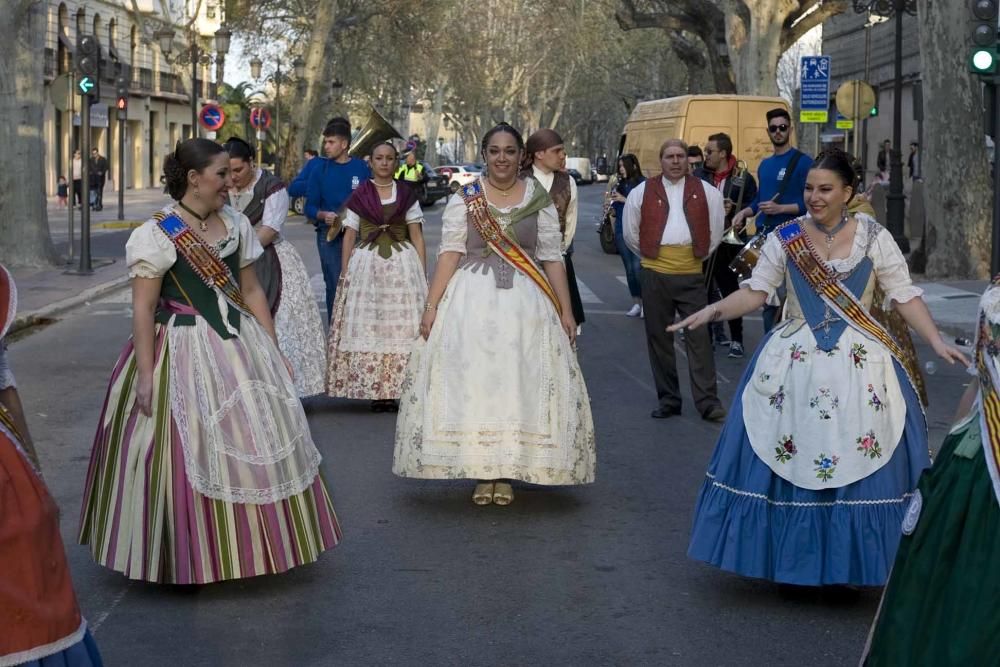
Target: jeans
630,260
330,260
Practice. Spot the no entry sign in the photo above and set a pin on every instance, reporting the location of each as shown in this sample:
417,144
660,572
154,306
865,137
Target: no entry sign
260,118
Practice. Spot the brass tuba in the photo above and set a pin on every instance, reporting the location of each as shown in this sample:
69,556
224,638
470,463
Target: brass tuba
375,131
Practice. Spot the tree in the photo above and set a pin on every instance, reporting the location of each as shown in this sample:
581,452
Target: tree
954,165
24,225
741,39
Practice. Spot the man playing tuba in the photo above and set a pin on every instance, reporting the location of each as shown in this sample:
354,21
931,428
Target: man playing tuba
738,187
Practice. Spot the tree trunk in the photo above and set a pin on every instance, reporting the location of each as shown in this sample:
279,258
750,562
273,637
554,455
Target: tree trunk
754,39
24,224
434,121
954,164
307,117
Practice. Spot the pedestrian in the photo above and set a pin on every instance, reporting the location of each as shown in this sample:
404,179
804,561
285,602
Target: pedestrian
695,158
545,161
629,176
308,154
737,187
263,198
203,467
331,182
412,171
39,613
92,189
493,390
62,191
781,180
944,577
383,288
99,168
913,161
826,437
77,173
884,159
674,222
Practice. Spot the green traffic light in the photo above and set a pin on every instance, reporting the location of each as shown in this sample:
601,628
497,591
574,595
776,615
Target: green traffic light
86,85
983,61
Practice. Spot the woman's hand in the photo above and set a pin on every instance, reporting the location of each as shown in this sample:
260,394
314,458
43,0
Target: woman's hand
427,322
144,395
708,314
949,353
569,326
617,197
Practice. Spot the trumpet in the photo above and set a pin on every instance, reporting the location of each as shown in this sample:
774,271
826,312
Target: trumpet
612,185
732,235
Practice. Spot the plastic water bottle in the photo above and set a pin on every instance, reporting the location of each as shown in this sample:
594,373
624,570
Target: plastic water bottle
930,367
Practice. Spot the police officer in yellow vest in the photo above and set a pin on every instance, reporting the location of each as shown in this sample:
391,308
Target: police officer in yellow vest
412,171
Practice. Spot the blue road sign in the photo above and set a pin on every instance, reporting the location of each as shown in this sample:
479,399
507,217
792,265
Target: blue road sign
86,85
211,117
814,89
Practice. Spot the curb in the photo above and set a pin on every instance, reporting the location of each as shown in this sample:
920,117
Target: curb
32,317
118,224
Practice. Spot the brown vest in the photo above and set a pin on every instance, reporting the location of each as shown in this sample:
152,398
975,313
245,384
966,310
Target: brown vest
561,195
656,209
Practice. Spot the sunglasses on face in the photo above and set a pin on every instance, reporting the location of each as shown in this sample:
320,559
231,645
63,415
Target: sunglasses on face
777,128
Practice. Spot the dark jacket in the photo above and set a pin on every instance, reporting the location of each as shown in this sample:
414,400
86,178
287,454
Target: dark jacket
731,189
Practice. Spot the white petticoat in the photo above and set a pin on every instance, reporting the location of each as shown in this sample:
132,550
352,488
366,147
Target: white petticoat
298,325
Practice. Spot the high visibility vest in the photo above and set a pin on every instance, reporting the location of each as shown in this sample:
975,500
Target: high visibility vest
408,173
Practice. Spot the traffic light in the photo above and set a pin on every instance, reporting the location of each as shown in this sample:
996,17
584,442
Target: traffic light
121,91
88,66
984,55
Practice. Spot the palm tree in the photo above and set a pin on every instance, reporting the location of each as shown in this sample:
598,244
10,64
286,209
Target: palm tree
235,101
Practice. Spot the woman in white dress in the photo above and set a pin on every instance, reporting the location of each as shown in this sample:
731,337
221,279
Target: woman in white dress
495,393
262,197
383,286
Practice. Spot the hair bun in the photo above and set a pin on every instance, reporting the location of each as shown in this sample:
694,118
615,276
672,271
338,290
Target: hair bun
175,176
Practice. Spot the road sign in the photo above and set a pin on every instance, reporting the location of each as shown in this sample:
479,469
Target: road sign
86,85
844,123
212,117
260,118
58,92
814,89
845,99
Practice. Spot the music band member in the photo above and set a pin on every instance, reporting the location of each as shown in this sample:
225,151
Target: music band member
675,222
737,187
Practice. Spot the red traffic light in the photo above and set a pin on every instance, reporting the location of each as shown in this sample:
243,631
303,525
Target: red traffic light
122,103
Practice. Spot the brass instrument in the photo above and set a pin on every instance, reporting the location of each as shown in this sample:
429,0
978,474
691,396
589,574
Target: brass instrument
612,184
375,131
732,236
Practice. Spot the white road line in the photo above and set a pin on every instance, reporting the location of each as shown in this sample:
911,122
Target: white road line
103,616
586,294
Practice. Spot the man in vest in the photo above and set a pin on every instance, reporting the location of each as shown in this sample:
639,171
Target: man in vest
674,222
411,171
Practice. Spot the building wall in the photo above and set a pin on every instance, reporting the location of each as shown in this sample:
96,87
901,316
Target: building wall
158,112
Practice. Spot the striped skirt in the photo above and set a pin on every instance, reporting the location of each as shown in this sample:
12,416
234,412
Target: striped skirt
142,517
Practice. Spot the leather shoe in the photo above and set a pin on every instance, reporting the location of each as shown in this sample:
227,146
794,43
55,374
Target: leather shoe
664,413
716,413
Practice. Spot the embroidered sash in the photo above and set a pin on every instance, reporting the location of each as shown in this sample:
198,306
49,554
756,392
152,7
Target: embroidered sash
989,414
500,242
203,260
823,280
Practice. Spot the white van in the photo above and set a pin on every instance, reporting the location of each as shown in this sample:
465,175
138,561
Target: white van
582,165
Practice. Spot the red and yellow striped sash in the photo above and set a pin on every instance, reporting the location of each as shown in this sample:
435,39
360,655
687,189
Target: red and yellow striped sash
500,242
989,398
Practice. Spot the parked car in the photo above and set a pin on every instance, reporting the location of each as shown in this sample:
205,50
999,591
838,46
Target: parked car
460,174
598,177
297,205
575,175
582,166
435,187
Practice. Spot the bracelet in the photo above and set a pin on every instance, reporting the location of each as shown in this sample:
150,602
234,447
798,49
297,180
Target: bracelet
429,307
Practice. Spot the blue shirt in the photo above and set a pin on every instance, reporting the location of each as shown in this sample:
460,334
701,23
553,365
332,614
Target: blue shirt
769,175
300,185
331,183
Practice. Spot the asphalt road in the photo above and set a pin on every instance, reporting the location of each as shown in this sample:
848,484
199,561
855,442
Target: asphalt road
591,575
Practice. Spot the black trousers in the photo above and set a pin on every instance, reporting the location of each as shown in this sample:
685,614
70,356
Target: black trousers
574,290
727,282
665,299
99,192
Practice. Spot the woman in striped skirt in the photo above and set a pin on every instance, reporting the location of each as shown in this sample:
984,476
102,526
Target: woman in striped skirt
203,467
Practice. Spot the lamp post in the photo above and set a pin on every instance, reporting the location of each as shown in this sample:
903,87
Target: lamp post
194,56
298,70
896,201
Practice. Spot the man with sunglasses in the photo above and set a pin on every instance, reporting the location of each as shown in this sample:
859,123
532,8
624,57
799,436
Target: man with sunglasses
781,182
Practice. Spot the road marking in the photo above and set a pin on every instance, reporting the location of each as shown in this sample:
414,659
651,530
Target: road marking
586,294
103,616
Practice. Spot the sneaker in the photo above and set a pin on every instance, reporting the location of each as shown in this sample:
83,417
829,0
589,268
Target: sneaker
635,311
736,350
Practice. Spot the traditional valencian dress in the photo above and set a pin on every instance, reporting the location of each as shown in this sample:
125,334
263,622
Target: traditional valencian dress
826,438
940,607
40,622
496,391
222,482
377,313
285,280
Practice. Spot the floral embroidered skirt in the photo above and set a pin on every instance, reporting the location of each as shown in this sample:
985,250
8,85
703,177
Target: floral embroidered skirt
940,607
142,515
376,319
751,521
298,323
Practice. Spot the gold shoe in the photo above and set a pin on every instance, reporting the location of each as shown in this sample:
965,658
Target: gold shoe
483,495
503,493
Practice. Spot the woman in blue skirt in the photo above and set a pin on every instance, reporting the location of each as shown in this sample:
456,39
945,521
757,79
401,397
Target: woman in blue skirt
826,438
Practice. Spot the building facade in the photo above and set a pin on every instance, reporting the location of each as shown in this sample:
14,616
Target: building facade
158,114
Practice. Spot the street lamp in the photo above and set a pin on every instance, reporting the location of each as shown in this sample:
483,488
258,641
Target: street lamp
194,56
896,201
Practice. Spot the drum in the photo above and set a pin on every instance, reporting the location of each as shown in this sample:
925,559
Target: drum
744,262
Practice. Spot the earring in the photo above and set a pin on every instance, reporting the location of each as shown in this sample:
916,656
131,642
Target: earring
197,194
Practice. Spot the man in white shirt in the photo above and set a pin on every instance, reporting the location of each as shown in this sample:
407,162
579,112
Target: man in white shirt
674,223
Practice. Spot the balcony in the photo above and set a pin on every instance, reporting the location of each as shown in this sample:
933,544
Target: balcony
145,79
